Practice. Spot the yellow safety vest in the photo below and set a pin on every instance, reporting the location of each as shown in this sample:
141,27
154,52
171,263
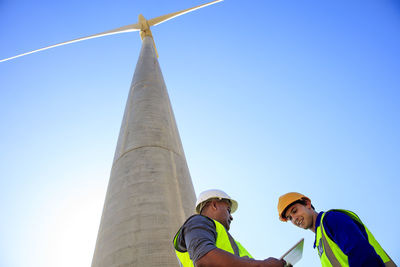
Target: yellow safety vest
332,256
223,242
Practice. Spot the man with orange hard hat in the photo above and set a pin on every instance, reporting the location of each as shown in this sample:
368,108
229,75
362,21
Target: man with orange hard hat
340,236
204,239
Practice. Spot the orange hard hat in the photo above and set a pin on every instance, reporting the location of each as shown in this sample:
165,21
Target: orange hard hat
286,200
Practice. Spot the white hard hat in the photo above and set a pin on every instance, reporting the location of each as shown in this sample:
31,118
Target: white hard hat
212,194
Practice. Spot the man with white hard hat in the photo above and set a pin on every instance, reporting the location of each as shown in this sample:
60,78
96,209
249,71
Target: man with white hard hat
204,240
340,236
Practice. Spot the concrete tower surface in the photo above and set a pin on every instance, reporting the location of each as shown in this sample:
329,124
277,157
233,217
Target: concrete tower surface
150,192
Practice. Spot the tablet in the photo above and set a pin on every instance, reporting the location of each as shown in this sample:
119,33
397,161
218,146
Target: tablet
294,254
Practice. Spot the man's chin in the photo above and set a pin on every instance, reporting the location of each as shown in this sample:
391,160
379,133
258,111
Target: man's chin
303,227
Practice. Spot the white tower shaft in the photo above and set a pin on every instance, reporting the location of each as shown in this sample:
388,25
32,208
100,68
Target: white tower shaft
150,192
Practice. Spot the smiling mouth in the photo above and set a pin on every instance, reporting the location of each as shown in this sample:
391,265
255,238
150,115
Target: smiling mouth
300,222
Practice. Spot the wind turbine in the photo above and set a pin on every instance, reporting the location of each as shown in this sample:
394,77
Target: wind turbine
150,192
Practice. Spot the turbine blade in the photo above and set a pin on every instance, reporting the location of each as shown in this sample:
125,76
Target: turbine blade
161,19
127,28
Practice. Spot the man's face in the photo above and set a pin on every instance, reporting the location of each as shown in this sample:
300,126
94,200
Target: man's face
301,215
223,213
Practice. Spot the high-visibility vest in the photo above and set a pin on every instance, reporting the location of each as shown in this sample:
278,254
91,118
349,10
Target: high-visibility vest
332,256
223,242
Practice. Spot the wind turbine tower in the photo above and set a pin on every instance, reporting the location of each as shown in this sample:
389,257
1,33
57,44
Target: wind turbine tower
150,192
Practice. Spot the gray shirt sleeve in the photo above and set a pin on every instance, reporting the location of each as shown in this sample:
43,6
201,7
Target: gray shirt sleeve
198,237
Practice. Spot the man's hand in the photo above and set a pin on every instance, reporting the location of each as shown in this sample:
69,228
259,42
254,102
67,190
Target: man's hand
222,258
272,262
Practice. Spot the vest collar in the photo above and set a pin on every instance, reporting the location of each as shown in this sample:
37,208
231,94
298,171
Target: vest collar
317,223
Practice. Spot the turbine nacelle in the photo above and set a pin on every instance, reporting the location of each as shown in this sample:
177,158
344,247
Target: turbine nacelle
144,27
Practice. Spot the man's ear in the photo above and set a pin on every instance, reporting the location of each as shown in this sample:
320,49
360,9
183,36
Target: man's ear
214,205
308,203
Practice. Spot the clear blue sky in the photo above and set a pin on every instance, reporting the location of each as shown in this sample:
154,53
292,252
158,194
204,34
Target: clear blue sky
269,96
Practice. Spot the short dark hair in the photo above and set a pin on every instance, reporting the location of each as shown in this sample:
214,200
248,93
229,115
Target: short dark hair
206,203
301,201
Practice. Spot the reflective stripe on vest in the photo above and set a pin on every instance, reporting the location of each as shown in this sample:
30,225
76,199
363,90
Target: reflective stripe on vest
223,242
332,256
